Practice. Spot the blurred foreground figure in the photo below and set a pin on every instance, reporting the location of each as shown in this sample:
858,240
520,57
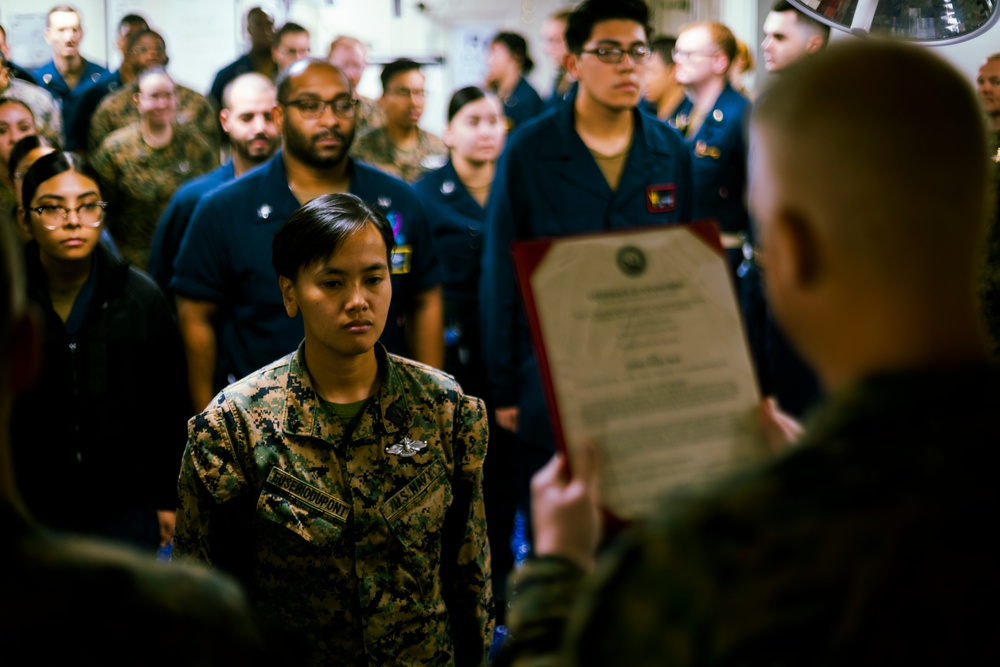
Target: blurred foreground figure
865,544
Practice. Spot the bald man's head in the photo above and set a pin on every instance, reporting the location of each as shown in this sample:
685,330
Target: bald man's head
874,154
909,158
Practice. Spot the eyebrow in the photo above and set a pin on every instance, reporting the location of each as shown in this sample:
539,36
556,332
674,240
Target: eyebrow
89,193
331,270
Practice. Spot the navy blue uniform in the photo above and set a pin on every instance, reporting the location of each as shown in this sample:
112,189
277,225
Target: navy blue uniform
76,136
49,78
719,149
225,258
522,104
175,220
548,184
458,222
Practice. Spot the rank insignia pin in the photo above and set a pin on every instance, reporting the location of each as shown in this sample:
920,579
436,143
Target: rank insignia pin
407,448
384,202
447,187
264,211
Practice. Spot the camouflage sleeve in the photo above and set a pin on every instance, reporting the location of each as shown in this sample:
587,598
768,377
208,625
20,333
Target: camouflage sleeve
544,592
211,477
100,128
465,563
648,602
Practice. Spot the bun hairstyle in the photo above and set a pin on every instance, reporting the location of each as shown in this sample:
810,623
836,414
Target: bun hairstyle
464,96
518,48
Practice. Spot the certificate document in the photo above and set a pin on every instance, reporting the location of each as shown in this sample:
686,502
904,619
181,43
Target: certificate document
641,349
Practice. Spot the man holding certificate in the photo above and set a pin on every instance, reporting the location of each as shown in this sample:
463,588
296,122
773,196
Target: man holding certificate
868,542
596,164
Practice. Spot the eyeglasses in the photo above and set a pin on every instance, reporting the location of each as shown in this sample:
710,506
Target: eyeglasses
613,55
90,214
415,93
679,55
342,107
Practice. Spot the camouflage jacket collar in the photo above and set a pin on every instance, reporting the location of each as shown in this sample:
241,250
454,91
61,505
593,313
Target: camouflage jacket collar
385,413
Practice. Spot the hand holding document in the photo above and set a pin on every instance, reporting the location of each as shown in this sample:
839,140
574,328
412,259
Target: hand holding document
641,349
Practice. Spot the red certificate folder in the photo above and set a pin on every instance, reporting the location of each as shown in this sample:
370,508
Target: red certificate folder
628,253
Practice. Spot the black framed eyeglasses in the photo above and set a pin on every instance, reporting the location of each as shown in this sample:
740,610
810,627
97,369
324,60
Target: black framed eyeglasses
53,217
343,107
613,55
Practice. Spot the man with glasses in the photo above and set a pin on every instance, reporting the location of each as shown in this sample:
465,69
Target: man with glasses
228,302
712,119
400,147
596,164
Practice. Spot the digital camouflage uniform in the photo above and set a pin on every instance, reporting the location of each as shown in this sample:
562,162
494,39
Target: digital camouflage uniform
375,148
866,544
118,110
373,557
139,182
369,116
48,120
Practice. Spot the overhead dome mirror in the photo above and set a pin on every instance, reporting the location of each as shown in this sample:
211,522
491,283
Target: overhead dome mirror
926,21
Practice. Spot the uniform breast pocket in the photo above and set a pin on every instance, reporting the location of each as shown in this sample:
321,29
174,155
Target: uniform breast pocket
416,513
296,518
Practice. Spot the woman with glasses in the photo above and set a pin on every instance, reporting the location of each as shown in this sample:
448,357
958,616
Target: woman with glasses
507,64
97,440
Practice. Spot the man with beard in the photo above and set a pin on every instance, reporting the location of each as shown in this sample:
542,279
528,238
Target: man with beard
248,121
223,271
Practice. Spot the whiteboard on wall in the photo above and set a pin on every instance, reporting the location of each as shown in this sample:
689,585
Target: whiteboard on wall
202,36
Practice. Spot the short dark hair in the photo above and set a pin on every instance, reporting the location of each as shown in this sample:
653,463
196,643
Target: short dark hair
663,46
24,146
284,81
462,97
395,68
287,29
518,48
51,165
139,34
319,227
581,22
132,20
820,27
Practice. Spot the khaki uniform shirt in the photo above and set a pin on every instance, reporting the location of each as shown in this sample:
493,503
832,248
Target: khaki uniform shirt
118,110
376,149
371,545
139,181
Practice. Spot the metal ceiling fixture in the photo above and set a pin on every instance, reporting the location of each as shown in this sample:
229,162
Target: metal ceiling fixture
925,21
